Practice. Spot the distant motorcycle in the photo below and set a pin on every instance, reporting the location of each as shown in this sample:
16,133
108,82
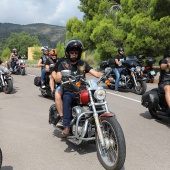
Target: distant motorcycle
93,122
130,78
19,66
6,80
155,101
45,92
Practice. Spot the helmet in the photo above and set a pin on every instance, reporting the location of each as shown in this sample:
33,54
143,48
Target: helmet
14,50
120,49
53,52
74,44
45,48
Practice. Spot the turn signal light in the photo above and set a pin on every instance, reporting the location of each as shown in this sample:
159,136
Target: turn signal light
107,82
78,84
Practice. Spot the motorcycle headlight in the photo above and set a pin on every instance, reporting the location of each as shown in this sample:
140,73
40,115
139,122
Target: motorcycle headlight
100,94
138,68
143,68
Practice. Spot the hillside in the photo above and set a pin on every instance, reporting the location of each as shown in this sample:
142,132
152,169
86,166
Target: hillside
47,34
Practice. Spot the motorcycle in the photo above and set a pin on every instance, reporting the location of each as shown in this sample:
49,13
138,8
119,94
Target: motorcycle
130,78
92,121
155,101
149,72
0,158
6,80
45,92
19,66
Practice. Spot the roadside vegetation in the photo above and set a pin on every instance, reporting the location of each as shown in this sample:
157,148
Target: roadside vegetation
141,27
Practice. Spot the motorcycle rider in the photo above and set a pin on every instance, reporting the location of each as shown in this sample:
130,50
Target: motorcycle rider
49,65
13,58
164,80
118,66
41,63
58,93
73,51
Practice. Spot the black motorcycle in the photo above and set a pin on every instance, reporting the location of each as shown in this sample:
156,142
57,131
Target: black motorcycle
149,72
130,78
155,101
19,67
46,91
6,80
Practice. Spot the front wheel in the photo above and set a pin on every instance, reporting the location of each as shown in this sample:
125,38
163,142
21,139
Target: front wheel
141,87
22,71
112,155
8,86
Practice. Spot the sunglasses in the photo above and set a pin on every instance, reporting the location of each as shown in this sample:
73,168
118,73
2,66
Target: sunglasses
74,52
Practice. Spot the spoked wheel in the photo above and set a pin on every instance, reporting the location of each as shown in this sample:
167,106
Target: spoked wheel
112,155
0,158
141,87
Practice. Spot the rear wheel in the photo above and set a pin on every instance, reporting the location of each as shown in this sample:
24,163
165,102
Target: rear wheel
153,113
112,155
8,86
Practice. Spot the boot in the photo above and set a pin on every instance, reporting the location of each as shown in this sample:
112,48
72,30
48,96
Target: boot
42,85
168,112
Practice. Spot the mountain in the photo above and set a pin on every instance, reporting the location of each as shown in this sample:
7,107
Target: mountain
48,35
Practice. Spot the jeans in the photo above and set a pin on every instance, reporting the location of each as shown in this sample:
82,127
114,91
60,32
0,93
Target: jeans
42,74
68,98
117,72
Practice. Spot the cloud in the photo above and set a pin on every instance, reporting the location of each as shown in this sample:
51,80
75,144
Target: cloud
56,12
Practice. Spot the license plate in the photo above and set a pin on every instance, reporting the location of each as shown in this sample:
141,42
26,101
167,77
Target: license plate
152,72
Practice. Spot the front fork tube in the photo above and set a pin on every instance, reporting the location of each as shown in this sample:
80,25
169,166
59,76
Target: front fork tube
96,118
3,83
134,79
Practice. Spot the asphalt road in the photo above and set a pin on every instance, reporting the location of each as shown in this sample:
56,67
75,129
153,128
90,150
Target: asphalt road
28,142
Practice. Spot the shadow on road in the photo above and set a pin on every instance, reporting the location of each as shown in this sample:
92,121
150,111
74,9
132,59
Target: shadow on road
6,168
164,121
82,149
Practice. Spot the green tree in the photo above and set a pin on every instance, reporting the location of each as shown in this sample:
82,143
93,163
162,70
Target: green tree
60,49
21,42
6,54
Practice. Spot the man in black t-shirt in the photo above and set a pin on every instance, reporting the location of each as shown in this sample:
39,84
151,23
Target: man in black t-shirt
49,66
118,66
164,80
73,51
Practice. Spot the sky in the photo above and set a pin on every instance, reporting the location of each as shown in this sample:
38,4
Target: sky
55,12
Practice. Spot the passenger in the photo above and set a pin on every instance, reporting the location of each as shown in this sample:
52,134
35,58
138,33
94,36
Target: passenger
41,63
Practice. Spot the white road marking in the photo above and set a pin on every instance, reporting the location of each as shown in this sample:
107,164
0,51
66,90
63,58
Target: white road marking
106,92
124,97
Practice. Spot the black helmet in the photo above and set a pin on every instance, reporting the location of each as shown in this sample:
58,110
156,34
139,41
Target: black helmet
120,49
74,45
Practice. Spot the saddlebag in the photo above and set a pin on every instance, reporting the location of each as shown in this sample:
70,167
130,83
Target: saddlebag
37,81
53,115
150,99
